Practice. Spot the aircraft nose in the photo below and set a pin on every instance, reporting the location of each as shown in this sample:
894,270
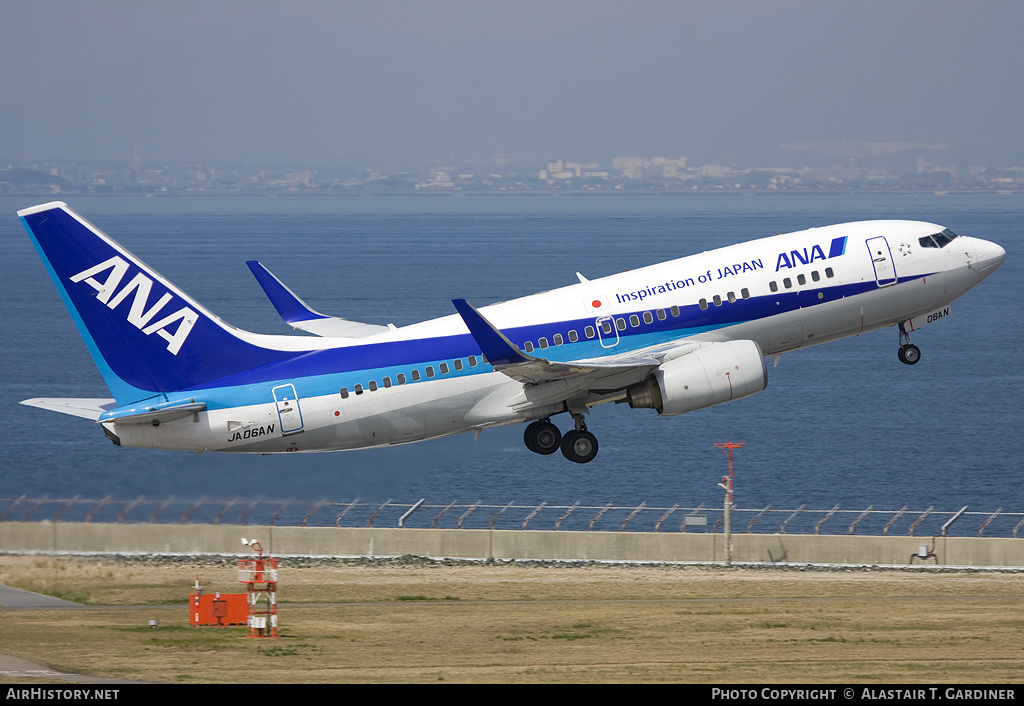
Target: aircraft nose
988,256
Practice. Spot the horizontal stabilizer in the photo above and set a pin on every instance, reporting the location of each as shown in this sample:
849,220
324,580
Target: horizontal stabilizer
154,414
88,408
299,315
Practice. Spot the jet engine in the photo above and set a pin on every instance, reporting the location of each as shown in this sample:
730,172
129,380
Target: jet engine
711,375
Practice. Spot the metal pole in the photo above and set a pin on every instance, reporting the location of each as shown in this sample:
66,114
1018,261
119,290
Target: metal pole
728,520
727,486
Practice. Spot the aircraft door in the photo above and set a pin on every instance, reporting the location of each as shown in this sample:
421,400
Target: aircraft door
881,258
288,411
607,333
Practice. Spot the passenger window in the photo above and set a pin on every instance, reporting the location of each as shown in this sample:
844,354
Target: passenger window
731,297
472,361
458,363
829,273
416,375
661,315
607,326
787,283
373,386
815,276
620,324
634,320
387,382
801,280
648,318
444,368
558,339
430,371
774,286
703,303
401,378
675,310
589,332
718,300
745,293
359,389
344,393
528,346
573,336
543,342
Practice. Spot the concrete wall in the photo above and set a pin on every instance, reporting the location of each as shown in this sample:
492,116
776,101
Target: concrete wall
510,544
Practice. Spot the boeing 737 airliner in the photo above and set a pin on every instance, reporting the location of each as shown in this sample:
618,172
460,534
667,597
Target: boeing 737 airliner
676,337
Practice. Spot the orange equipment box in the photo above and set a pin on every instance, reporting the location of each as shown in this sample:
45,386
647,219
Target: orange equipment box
219,609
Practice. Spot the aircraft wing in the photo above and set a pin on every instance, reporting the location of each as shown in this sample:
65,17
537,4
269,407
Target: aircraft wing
299,315
506,358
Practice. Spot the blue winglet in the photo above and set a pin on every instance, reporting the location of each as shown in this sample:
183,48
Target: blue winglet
288,305
493,344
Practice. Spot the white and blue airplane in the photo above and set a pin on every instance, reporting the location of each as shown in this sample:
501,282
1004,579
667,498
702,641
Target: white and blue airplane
677,336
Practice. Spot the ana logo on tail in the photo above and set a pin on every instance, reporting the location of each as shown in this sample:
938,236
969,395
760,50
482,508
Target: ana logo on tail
140,314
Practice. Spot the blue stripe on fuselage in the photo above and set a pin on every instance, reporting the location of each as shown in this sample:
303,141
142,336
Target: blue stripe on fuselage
324,372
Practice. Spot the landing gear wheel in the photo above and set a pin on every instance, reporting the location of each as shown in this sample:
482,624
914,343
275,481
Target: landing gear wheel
542,437
579,446
909,354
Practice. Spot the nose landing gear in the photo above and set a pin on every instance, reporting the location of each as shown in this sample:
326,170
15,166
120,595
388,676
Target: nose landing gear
908,354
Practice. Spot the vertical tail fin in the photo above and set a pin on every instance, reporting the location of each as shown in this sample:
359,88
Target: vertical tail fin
145,335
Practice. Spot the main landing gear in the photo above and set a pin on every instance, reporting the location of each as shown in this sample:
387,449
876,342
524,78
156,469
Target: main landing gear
542,437
908,354
579,445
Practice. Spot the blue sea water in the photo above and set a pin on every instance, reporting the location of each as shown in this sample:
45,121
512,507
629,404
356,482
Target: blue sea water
840,424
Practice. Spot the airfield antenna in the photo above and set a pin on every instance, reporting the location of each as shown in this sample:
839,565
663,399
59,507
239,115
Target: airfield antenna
260,576
726,485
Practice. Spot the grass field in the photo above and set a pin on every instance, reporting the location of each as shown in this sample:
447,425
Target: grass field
514,623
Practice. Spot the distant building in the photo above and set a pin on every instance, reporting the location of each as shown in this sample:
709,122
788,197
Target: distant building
640,167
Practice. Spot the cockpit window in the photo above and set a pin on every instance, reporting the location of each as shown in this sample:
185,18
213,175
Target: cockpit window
938,240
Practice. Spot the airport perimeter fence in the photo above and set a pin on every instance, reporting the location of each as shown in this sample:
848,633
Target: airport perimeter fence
870,521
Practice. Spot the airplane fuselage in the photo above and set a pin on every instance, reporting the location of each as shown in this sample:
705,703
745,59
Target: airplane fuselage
431,379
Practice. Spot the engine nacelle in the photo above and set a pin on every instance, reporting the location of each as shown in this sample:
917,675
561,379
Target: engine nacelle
717,373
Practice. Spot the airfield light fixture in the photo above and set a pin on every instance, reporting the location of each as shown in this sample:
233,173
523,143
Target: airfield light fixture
726,485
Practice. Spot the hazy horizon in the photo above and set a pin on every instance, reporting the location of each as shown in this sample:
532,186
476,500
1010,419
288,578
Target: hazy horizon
401,83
